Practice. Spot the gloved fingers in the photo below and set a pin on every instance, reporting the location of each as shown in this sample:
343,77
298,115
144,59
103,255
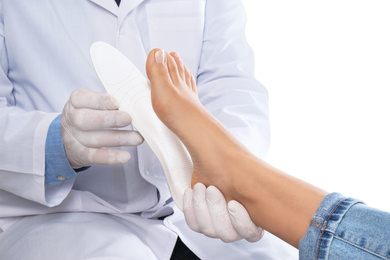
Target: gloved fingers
220,216
89,156
85,98
109,138
85,123
88,119
188,210
201,211
242,222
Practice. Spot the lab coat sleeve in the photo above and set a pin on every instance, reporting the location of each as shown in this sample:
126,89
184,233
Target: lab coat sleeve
22,143
226,83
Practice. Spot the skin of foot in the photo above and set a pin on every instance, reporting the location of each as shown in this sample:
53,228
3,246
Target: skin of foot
276,201
176,103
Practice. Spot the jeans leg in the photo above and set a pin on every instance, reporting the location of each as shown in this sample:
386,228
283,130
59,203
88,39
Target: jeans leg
345,228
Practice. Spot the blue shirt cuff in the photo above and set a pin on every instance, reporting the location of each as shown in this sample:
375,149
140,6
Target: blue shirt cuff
57,166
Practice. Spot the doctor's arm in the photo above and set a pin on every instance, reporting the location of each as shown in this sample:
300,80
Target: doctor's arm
22,141
40,148
225,82
77,139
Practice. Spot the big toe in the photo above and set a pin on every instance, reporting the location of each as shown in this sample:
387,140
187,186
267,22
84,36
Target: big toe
156,68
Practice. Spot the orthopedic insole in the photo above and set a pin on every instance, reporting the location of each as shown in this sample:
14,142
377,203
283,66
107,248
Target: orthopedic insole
125,82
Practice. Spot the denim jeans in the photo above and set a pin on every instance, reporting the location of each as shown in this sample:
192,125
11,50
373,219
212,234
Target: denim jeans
345,228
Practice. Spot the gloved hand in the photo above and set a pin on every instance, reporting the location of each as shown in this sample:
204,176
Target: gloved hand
87,126
206,212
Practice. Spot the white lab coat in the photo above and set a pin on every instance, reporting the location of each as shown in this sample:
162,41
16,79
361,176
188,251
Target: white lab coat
44,56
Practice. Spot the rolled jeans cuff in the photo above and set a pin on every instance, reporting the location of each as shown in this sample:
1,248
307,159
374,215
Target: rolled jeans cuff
318,239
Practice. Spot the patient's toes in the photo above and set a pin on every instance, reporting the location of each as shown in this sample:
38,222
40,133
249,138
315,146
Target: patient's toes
187,75
193,84
179,64
157,70
190,81
173,70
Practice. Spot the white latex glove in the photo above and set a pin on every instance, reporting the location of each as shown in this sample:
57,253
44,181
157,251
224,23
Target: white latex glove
88,125
206,212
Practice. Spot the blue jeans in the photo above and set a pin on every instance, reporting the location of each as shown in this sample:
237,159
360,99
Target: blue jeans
345,228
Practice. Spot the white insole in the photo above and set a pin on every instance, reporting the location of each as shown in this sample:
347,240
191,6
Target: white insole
125,82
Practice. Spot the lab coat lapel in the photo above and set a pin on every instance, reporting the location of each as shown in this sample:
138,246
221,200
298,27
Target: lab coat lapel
126,7
109,5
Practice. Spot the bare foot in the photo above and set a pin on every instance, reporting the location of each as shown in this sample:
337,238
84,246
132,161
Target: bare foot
214,151
174,95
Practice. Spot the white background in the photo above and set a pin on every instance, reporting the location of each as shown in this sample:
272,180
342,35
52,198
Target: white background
326,65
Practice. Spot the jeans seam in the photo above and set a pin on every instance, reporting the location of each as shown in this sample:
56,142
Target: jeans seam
315,224
358,246
325,226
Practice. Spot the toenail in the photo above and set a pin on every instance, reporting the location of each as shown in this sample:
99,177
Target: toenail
176,55
160,56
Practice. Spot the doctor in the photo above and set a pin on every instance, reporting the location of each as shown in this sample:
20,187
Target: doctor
62,196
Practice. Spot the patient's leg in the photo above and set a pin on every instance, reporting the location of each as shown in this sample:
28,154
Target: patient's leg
275,201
